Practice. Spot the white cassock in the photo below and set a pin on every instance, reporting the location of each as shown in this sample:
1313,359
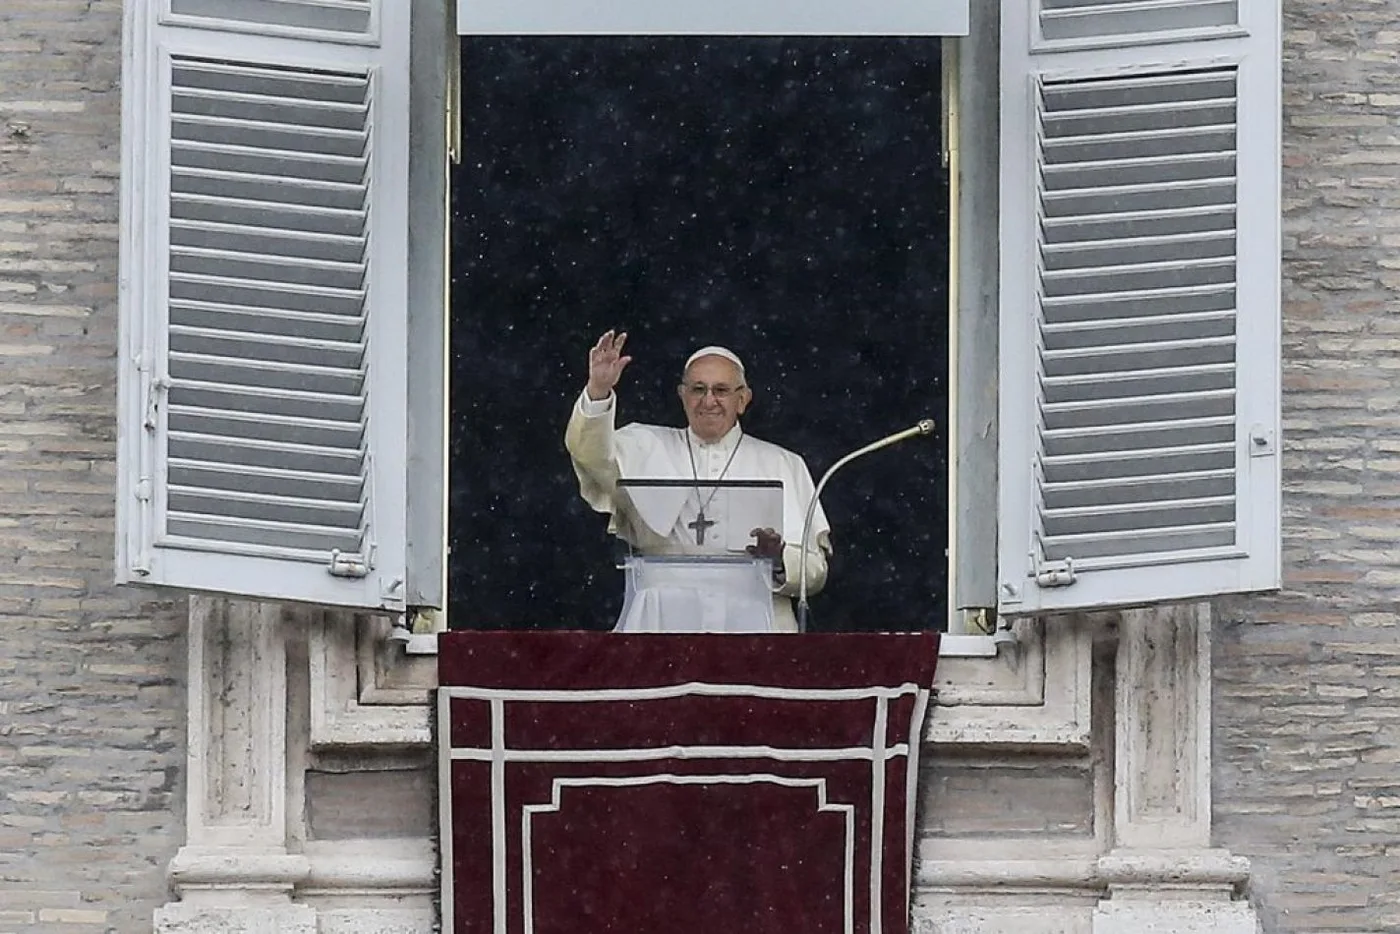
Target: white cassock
603,454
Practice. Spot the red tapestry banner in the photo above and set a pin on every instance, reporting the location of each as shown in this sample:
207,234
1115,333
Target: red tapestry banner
687,784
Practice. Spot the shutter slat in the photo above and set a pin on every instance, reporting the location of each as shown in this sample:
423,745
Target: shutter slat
1125,224
254,452
1117,358
1146,488
288,270
289,244
268,348
206,132
265,427
1076,334
324,165
1147,197
1127,144
1124,517
294,110
1093,306
260,537
1102,412
221,289
294,192
1139,436
276,216
1110,465
305,485
1082,20
1061,390
264,374
1140,542
328,514
334,16
269,322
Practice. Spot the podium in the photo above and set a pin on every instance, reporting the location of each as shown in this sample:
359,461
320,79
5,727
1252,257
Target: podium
708,583
686,784
696,593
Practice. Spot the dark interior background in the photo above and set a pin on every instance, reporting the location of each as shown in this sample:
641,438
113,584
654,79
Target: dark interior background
784,197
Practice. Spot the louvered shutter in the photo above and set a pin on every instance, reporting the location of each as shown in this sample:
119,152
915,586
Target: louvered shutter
1139,303
264,283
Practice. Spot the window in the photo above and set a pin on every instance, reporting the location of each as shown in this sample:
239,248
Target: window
278,438
785,197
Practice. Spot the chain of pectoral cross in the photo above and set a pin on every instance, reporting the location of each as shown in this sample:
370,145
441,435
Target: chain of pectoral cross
701,524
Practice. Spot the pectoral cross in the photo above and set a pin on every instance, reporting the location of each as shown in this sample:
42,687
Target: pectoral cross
700,525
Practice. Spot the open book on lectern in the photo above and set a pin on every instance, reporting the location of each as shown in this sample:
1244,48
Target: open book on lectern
706,516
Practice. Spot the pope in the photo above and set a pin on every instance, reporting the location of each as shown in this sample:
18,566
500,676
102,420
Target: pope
714,392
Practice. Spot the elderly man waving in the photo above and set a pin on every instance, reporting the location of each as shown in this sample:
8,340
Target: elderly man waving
712,447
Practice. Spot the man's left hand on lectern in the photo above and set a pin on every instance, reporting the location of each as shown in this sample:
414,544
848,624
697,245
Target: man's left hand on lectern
769,544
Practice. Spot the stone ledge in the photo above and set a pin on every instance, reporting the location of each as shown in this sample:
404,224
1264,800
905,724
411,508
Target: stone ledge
243,867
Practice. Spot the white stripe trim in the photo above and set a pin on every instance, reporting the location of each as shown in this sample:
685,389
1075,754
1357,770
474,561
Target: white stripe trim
680,690
652,753
446,827
877,813
911,786
556,798
498,815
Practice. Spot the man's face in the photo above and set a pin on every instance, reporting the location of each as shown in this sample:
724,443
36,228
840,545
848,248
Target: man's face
714,396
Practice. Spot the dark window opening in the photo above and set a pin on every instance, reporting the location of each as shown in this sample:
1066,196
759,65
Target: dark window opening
784,197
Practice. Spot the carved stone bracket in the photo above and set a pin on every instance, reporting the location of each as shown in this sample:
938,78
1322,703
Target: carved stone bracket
1035,693
364,691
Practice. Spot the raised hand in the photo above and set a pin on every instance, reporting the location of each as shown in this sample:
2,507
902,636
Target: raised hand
605,365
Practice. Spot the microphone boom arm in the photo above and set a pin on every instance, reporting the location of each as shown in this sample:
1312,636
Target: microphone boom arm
924,427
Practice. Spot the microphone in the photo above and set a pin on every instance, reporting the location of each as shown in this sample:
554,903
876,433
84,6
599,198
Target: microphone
924,427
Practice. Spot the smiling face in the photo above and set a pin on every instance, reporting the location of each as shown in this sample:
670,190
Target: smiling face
714,396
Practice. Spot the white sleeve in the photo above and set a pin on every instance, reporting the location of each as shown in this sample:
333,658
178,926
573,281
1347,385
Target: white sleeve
816,560
589,438
592,408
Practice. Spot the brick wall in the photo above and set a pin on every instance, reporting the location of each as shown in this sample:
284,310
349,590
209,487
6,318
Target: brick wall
91,706
91,699
1307,738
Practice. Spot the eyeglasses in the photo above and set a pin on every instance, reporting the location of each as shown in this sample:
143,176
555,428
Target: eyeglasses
721,392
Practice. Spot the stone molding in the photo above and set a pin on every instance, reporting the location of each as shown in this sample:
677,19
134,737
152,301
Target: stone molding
1149,864
235,872
241,869
1162,874
366,692
362,690
1034,693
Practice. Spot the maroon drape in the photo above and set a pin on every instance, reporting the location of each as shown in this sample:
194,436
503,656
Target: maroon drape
679,784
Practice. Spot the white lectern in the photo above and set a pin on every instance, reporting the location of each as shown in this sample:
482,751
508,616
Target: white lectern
698,576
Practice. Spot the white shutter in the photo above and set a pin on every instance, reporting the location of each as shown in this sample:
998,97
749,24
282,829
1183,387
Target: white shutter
262,422
1139,404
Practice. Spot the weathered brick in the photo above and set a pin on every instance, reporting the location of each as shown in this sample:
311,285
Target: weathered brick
71,859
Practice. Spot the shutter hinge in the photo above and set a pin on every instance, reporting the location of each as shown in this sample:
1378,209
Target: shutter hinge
348,565
1055,573
143,490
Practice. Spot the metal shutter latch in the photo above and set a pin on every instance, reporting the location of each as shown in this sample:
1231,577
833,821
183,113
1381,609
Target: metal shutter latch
1055,573
348,565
